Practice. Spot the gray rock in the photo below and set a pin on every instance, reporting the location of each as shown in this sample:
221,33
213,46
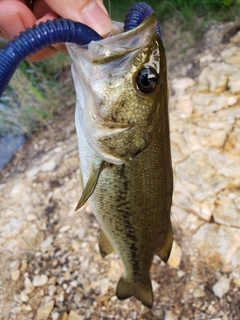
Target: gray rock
40,280
221,287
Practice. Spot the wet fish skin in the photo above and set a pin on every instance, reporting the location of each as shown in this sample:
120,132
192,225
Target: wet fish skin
129,131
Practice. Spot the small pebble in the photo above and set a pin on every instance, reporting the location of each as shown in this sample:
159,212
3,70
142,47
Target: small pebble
169,315
64,316
60,297
40,280
64,228
23,296
15,265
60,280
175,256
52,280
44,311
155,285
67,275
15,275
47,244
104,284
69,289
180,273
74,283
48,166
31,217
237,282
32,172
27,307
55,315
23,265
198,293
75,245
211,309
221,287
29,287
52,289
57,150
74,316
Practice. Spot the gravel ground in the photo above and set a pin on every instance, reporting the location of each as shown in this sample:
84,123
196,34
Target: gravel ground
50,266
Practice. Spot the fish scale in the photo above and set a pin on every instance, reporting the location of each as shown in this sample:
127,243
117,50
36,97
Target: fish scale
124,149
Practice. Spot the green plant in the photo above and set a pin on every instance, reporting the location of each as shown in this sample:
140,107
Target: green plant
34,95
187,11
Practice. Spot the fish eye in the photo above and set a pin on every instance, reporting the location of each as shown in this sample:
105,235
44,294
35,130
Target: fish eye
146,80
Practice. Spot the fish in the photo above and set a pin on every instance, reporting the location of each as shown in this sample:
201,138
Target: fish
122,125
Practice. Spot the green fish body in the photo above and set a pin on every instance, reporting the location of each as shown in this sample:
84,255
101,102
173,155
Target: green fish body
124,145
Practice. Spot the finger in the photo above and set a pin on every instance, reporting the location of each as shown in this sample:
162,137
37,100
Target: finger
14,18
92,13
22,18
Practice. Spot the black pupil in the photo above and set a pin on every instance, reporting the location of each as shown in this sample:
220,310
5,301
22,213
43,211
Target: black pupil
146,80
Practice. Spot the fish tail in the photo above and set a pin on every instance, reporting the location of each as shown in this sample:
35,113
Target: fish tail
127,288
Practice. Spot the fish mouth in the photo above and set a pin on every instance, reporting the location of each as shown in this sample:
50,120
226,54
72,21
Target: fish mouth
125,41
118,43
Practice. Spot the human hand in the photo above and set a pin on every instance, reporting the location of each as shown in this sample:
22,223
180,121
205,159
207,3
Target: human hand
17,15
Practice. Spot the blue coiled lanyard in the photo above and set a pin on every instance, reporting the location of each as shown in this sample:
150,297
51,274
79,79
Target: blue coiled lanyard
59,30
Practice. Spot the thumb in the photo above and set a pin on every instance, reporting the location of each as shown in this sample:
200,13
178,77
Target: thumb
92,13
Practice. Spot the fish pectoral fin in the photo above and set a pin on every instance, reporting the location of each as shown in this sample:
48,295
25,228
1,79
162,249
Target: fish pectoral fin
91,184
104,244
165,251
140,290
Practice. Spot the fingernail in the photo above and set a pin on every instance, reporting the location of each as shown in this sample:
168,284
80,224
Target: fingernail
11,24
95,17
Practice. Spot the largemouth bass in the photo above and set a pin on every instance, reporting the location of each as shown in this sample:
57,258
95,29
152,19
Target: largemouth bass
124,145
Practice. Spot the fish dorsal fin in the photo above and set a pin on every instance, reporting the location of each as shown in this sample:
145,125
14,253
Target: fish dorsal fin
91,184
104,244
165,251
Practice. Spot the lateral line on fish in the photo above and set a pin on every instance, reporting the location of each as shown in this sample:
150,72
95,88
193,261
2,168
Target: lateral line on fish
91,184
